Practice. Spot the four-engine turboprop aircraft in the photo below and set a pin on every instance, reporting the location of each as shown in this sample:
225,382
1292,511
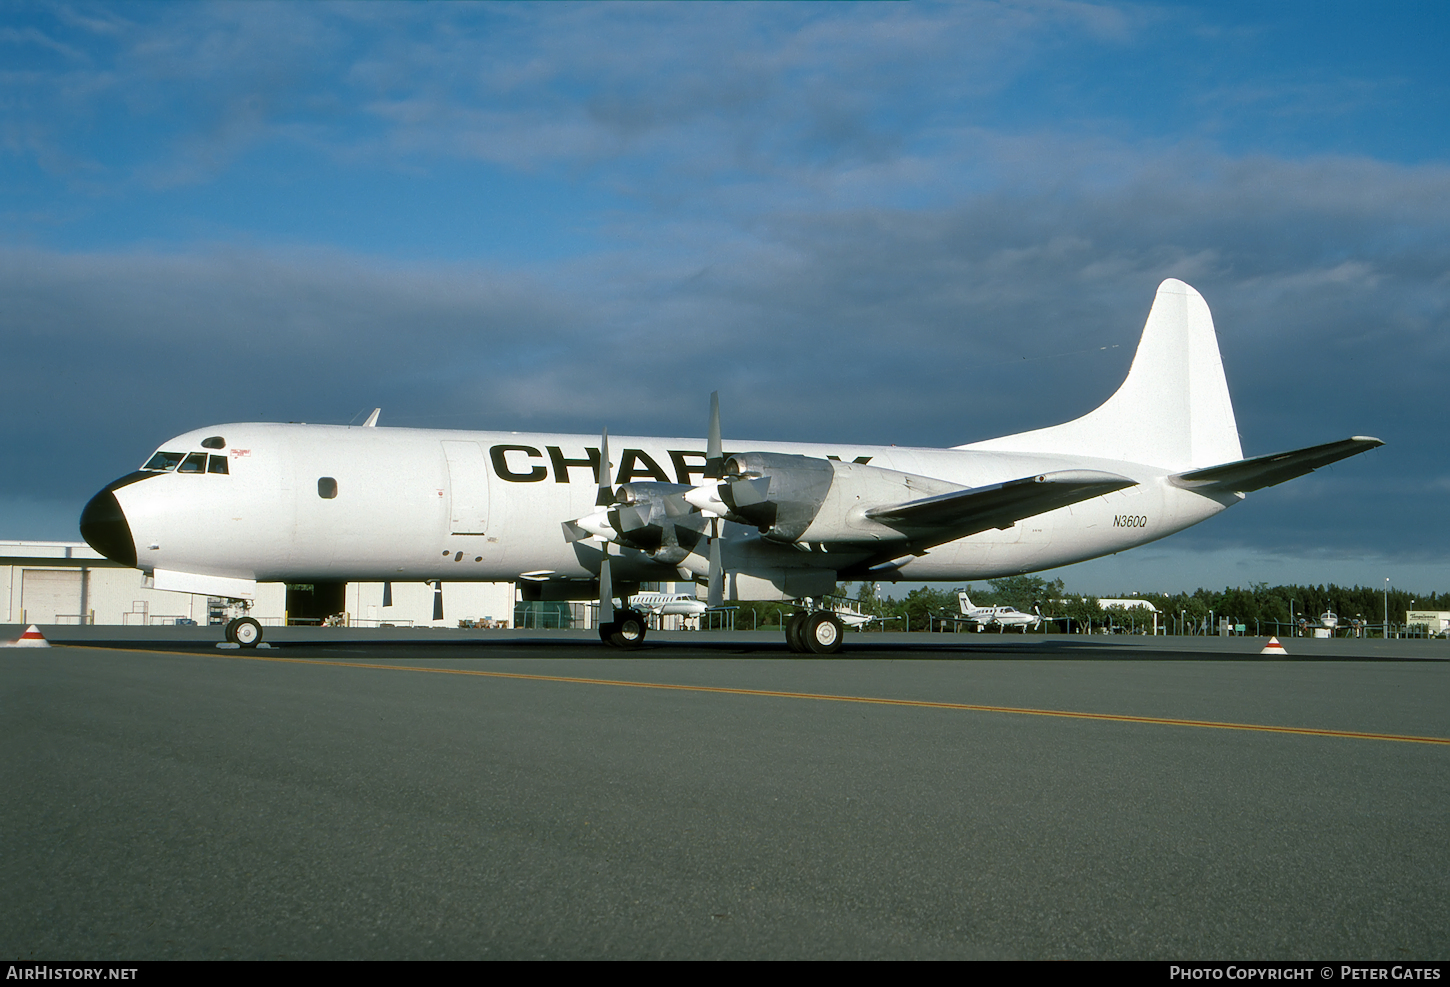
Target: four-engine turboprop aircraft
218,509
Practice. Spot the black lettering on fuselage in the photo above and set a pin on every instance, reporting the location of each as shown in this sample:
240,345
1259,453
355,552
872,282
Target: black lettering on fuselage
684,470
561,465
648,467
1130,521
501,466
634,464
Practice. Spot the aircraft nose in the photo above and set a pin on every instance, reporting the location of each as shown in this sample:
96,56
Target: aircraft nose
104,527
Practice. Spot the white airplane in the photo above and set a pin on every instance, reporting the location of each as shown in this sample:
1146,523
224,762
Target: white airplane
1327,624
668,604
999,617
853,618
219,509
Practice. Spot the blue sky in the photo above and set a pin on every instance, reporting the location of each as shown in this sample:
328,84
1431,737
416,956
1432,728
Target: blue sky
876,222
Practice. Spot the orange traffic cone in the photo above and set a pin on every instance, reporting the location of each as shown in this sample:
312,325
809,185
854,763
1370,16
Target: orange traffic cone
32,638
1273,648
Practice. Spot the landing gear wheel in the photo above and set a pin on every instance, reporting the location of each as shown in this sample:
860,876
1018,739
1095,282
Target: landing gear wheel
628,631
793,627
244,631
606,632
822,633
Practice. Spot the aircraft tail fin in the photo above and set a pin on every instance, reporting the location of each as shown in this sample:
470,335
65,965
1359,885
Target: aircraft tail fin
966,602
1173,410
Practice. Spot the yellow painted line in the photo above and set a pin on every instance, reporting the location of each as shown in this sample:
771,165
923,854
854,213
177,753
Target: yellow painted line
825,697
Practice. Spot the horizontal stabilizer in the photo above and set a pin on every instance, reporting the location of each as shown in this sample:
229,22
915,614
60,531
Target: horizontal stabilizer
1248,475
1001,505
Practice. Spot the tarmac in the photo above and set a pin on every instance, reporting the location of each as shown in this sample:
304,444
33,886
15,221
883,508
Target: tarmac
510,794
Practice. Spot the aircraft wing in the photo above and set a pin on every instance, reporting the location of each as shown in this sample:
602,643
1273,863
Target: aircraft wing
1264,471
1000,505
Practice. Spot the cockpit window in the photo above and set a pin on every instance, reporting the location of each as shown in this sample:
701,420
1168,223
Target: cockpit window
163,461
215,442
193,463
217,464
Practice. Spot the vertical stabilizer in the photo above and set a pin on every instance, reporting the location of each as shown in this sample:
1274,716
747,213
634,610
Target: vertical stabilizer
1172,411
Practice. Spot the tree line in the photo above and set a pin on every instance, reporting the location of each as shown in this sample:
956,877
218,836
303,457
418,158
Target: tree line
1261,609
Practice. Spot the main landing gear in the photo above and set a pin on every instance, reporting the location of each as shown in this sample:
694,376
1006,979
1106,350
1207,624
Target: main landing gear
244,631
626,630
816,632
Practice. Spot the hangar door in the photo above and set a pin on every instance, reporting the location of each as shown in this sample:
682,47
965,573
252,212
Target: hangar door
48,593
467,488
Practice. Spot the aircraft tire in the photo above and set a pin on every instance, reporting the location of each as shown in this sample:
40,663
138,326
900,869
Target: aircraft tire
244,631
629,630
793,639
822,633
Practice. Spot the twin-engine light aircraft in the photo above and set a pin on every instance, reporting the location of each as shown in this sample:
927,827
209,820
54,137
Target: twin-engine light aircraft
998,617
216,510
668,604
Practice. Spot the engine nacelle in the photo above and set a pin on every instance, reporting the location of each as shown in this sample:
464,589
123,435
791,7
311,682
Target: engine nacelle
804,499
654,518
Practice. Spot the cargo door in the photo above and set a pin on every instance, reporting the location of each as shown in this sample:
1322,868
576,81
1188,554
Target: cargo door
467,488
46,594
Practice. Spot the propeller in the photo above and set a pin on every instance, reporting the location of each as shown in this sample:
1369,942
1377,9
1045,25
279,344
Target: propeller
714,448
714,470
604,499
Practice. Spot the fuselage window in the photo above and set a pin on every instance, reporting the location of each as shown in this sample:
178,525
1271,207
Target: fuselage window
163,461
194,463
217,464
326,488
215,442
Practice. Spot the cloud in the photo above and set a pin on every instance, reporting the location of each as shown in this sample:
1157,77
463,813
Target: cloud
710,88
1005,311
877,223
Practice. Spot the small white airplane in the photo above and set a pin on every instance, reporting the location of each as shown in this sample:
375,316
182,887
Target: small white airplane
216,510
999,617
853,617
1327,624
668,604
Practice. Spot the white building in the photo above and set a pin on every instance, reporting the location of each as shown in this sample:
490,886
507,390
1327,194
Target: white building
1133,605
70,583
1435,622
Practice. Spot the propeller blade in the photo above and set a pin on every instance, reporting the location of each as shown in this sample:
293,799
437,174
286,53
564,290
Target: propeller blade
606,590
714,450
715,597
605,496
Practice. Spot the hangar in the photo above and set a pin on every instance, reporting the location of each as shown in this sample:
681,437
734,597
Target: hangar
46,582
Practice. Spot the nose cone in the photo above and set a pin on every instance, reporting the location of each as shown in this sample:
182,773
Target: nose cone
104,527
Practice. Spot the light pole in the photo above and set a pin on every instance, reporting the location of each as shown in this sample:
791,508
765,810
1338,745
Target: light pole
1387,608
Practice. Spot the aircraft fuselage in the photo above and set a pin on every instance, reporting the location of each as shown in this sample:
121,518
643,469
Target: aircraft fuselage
320,502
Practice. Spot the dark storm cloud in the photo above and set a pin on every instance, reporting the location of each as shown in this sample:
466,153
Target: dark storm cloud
916,327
